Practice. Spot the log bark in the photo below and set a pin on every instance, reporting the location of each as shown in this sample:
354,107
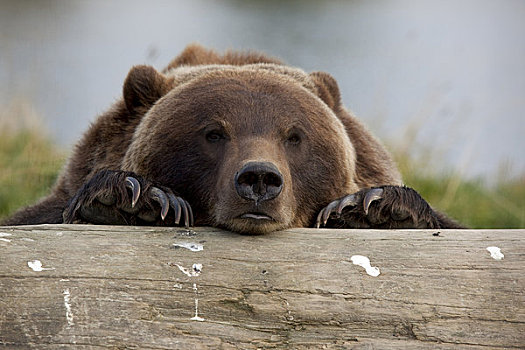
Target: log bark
155,288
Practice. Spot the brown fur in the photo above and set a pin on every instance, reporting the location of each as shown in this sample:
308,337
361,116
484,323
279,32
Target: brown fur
261,107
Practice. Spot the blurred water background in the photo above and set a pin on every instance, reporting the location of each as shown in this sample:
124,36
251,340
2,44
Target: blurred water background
445,78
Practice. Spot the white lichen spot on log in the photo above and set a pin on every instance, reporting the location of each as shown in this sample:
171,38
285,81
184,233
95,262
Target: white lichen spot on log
197,268
36,265
495,253
196,317
193,272
69,314
364,262
187,232
194,247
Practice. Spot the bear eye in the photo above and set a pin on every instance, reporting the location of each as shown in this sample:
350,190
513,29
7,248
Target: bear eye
294,139
214,136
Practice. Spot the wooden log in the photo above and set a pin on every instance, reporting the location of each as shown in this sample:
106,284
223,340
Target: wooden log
165,288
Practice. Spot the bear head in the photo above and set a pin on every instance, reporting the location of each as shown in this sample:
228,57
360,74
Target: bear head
253,148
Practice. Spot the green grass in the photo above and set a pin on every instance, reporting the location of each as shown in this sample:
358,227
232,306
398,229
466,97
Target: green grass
29,165
30,162
470,201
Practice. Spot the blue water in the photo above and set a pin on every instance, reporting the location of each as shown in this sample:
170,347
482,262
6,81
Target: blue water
446,78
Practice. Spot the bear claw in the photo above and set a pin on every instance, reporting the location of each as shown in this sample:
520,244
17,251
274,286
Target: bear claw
372,195
159,196
345,202
180,206
325,213
134,185
175,204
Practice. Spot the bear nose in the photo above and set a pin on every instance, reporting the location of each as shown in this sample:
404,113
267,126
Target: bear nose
258,181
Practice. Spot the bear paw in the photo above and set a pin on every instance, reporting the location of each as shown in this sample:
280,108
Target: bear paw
124,198
381,207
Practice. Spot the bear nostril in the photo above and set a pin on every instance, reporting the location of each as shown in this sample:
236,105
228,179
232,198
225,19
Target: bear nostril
259,181
272,179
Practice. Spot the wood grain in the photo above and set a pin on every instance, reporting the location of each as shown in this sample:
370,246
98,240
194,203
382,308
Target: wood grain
128,288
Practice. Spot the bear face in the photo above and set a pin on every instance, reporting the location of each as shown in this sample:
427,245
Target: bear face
250,148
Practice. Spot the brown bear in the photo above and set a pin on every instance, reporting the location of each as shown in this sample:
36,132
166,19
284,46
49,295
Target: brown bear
238,141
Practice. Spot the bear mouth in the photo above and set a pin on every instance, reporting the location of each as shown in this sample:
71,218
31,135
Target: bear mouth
256,216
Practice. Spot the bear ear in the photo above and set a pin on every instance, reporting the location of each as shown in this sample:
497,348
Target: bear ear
327,89
143,87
